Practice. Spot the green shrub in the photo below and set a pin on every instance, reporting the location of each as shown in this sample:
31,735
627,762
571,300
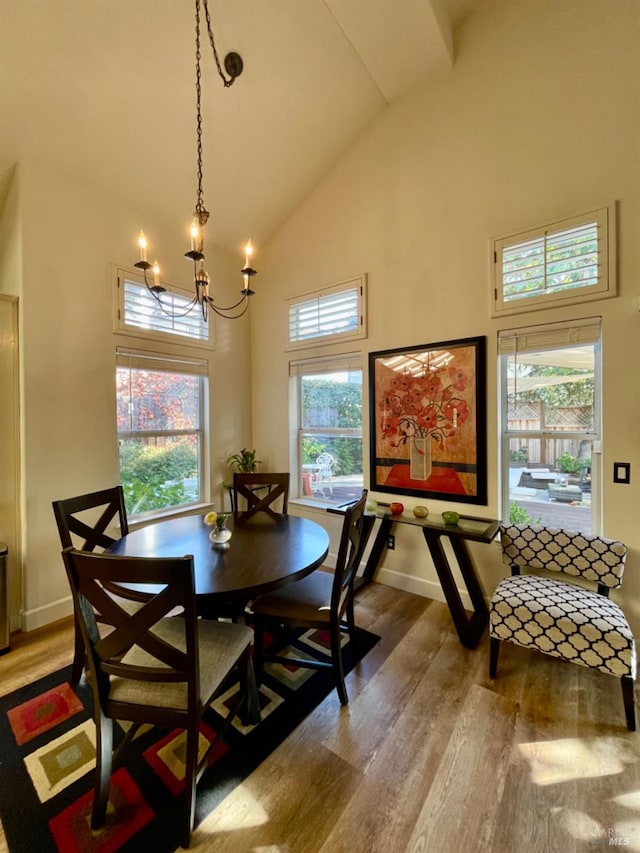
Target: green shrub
568,464
145,497
152,476
519,515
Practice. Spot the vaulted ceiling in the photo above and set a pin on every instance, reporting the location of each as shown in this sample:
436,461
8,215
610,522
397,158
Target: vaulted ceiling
103,91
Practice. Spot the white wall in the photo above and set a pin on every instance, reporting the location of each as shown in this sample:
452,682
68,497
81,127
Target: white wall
71,239
537,120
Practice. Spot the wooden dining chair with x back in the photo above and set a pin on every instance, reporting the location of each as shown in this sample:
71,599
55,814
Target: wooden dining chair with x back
83,522
250,487
253,493
155,669
319,600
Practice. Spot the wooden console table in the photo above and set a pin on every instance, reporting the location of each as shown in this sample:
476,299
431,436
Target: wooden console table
434,530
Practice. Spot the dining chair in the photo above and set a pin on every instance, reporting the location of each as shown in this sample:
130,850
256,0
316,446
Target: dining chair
564,619
153,668
82,523
249,487
319,600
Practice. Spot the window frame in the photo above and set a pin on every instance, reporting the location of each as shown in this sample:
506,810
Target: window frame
606,286
337,363
577,332
132,359
358,283
159,337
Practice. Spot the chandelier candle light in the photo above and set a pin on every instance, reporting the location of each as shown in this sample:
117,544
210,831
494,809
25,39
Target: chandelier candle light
233,66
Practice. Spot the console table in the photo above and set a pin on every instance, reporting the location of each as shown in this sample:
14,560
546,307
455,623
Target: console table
434,530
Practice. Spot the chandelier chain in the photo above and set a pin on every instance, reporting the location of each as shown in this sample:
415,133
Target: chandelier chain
228,81
201,213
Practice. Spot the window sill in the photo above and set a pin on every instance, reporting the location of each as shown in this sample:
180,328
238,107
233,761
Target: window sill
174,512
318,505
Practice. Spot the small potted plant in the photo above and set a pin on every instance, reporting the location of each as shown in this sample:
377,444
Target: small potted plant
244,462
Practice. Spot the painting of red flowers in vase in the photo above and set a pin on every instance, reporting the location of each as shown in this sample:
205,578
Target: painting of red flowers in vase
428,420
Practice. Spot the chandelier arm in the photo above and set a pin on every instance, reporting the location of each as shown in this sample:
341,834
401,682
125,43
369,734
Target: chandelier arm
243,298
165,308
221,311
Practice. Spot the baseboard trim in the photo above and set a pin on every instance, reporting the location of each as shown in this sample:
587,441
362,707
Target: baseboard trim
40,616
410,583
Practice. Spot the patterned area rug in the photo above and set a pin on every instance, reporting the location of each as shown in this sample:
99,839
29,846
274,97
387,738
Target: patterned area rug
47,758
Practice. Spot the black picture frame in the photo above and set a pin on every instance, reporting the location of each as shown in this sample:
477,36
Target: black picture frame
427,418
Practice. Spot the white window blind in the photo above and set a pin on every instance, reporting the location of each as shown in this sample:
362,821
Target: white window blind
139,360
565,261
554,336
141,311
345,363
332,313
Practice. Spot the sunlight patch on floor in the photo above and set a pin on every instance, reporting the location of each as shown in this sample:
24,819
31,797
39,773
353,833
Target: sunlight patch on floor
578,825
582,827
240,810
574,758
630,800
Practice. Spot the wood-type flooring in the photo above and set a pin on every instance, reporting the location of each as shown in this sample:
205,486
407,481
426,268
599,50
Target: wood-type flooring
430,755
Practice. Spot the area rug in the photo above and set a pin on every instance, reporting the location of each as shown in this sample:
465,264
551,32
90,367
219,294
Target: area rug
47,759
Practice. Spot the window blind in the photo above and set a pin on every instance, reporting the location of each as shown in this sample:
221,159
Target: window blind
565,261
550,337
344,363
334,312
142,311
140,360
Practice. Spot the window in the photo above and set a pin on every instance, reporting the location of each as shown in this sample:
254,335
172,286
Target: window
550,381
329,428
566,262
139,313
324,316
160,406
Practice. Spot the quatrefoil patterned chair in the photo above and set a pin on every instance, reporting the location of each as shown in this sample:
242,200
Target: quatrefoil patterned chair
562,619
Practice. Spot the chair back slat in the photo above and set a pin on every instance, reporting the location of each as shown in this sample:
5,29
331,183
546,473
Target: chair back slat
169,584
592,557
348,554
249,487
92,534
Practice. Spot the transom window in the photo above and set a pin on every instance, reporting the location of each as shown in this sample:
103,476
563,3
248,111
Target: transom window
140,314
566,261
330,314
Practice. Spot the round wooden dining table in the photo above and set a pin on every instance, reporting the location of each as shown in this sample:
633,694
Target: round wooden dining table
261,555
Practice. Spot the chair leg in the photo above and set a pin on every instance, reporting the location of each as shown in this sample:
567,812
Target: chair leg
104,756
258,650
77,666
353,633
494,648
336,660
190,779
629,702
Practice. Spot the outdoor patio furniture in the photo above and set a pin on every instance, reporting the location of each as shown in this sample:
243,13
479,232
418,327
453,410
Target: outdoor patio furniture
564,494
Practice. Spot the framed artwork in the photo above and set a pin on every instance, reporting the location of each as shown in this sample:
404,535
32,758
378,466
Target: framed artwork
428,421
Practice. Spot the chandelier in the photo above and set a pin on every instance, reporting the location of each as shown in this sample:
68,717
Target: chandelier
202,298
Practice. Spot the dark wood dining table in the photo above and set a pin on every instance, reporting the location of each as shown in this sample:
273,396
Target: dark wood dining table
261,555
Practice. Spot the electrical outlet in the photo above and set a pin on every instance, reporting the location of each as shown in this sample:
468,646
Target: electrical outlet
391,542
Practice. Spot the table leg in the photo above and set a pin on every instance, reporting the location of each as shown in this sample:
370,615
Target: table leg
469,630
379,544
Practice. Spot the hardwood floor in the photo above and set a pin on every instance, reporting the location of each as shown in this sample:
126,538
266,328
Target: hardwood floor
430,756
